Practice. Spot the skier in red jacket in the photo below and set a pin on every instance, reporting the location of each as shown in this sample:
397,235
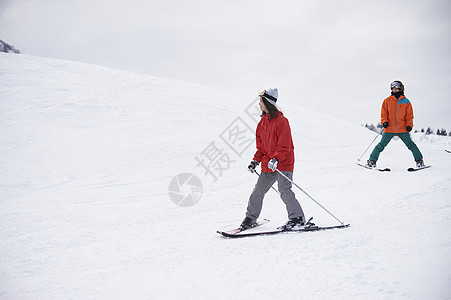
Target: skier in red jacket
275,151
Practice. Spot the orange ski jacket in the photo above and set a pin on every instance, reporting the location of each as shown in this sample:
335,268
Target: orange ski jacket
273,138
398,113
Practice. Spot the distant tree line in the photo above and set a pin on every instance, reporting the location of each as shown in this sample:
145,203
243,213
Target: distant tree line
428,131
7,48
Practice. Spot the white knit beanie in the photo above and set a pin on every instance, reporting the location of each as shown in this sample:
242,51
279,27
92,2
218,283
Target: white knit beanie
270,95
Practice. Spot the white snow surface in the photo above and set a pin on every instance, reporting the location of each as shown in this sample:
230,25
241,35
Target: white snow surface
87,154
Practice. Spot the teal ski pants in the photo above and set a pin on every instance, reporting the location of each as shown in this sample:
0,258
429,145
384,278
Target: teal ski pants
386,138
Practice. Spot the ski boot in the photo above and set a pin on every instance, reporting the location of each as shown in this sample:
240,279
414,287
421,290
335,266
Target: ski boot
293,224
420,163
248,223
370,163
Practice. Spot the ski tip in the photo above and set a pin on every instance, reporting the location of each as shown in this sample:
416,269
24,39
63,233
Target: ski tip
370,168
225,234
417,169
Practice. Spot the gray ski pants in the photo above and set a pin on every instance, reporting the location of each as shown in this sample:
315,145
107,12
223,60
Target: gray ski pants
264,183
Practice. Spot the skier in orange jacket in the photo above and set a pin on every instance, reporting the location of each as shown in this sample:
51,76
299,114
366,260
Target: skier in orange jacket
397,119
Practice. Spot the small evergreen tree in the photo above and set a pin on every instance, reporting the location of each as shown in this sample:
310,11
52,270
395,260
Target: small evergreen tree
7,48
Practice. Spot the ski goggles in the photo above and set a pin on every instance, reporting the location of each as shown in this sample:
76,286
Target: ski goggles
396,84
268,97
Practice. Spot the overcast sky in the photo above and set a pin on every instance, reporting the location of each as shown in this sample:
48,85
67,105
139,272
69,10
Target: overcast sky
335,57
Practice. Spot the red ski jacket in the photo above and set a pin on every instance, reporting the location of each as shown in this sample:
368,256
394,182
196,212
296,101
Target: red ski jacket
274,141
398,113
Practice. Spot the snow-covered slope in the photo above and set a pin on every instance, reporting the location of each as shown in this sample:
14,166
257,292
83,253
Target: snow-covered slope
87,155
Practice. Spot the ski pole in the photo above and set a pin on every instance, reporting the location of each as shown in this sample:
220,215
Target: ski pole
271,186
309,196
371,144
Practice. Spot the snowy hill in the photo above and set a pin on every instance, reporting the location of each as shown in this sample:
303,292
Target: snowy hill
87,155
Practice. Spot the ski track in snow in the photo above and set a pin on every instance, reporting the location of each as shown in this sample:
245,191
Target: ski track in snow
86,157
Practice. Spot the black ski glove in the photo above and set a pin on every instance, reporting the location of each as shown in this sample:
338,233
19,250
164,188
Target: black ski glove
409,128
385,124
252,166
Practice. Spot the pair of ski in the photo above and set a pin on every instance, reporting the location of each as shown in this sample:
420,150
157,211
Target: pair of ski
237,233
388,170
